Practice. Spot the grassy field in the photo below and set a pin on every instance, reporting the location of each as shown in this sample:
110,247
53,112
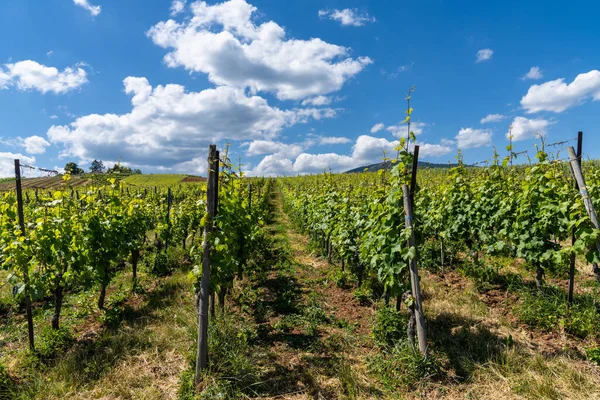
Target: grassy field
154,180
55,182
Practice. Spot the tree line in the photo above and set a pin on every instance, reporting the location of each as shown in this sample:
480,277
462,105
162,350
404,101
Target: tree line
97,167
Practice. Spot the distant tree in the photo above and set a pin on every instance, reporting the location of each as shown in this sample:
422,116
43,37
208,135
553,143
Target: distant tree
97,167
119,169
73,169
137,171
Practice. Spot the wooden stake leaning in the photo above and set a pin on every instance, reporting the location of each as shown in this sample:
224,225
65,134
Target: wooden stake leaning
414,274
572,259
25,267
203,295
587,201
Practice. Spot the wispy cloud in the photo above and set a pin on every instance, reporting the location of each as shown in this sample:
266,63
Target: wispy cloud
484,55
347,16
94,10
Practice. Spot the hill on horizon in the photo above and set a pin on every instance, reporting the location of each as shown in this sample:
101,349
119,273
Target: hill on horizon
385,165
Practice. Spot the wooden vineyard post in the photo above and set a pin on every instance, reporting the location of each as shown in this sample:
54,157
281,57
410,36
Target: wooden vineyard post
587,202
250,199
216,185
413,185
572,260
203,296
169,202
414,274
25,267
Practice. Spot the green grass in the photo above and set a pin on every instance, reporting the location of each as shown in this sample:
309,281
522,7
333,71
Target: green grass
154,180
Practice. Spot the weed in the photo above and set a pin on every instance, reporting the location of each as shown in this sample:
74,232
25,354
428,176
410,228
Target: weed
363,295
402,367
232,366
7,385
158,264
482,273
348,381
593,354
389,327
52,342
549,310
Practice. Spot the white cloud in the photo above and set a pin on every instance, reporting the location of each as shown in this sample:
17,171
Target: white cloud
366,150
484,55
30,75
347,16
369,149
434,150
177,6
523,128
534,73
557,96
468,138
49,53
7,163
400,130
222,41
35,145
317,101
258,147
316,163
273,165
377,127
324,140
492,118
169,126
94,10
54,117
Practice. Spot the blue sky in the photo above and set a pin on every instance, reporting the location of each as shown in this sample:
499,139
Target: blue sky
295,86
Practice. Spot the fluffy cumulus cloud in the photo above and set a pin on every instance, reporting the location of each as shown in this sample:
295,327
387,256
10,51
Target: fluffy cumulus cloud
223,41
177,6
347,16
468,138
557,96
366,150
259,147
85,4
434,149
30,75
7,163
172,128
533,73
316,163
492,118
35,145
484,55
274,165
523,128
377,127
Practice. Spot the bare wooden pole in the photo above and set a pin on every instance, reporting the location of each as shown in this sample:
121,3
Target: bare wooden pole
250,199
25,267
203,295
169,202
572,260
413,185
413,177
414,274
587,201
